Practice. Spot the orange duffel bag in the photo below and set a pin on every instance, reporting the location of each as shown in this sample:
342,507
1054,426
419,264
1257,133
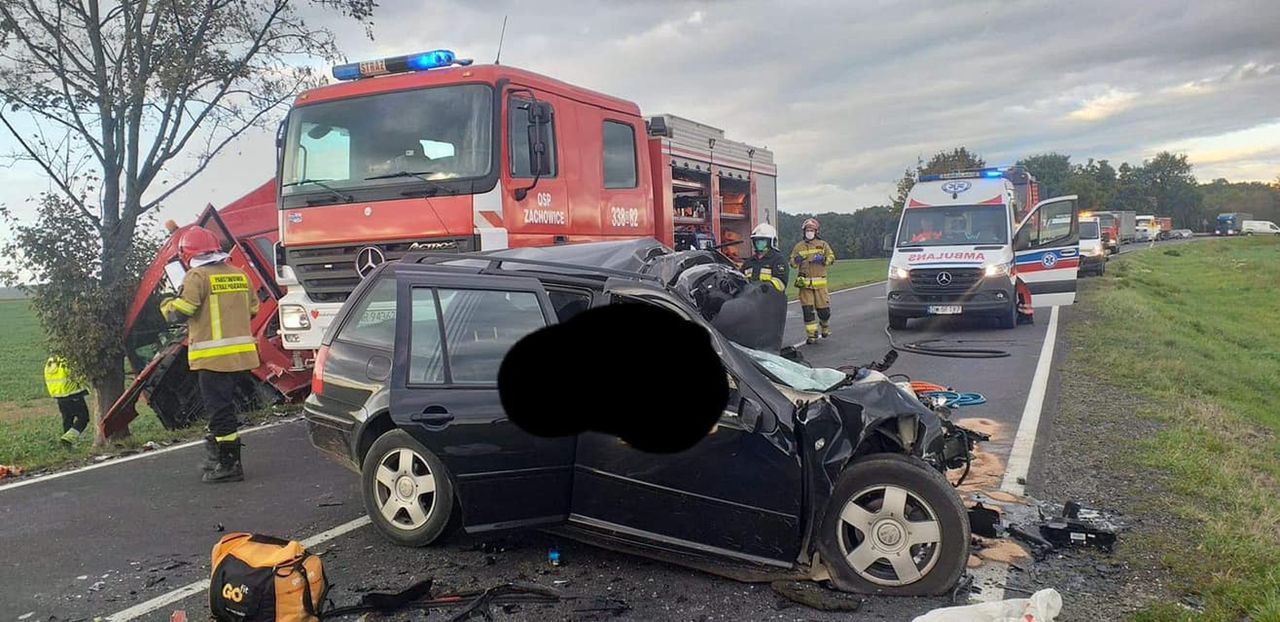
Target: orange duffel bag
259,578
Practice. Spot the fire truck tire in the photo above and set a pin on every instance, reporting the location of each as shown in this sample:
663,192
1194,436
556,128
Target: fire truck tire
894,526
407,490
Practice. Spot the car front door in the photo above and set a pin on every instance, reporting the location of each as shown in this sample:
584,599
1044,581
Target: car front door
453,333
736,493
1047,251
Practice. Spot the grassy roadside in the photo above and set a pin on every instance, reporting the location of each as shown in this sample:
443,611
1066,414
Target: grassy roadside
1193,330
848,273
29,421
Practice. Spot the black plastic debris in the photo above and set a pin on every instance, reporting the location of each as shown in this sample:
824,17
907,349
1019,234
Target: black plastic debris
1080,526
984,521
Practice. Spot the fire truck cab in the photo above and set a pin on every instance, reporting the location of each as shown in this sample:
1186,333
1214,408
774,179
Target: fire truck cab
428,152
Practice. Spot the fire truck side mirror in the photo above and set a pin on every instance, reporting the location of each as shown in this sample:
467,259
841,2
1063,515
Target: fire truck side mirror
539,138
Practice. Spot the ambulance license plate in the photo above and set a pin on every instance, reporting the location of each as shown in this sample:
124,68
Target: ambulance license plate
944,309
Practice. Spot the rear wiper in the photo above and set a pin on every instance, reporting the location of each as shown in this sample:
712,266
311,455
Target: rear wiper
320,182
419,174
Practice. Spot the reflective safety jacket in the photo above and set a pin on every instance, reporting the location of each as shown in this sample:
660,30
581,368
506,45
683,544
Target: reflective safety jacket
811,273
768,268
218,303
58,379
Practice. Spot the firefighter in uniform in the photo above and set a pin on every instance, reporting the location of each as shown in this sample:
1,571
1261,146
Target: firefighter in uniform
766,264
70,393
811,256
217,303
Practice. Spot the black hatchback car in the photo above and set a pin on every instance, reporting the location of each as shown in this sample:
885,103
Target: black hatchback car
807,470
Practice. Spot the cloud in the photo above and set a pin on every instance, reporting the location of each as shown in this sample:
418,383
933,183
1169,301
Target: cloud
848,94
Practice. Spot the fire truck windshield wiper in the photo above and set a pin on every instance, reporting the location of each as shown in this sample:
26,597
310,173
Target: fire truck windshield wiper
419,174
320,182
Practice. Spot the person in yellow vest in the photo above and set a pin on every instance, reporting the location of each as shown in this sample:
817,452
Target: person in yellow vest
70,392
811,256
217,303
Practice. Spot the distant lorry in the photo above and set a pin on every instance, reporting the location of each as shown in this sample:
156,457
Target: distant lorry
962,248
1108,230
1125,225
1163,227
1231,223
429,153
1264,227
1145,228
156,351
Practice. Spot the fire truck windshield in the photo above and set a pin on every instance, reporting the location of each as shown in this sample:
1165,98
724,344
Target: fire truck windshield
388,140
954,225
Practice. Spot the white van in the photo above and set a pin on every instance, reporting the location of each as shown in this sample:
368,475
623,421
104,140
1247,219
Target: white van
960,250
1250,227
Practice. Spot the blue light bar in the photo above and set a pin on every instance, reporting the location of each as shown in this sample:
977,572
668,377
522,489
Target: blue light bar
423,61
970,174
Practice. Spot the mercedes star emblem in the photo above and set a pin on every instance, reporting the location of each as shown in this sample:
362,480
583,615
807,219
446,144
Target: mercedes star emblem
944,278
367,259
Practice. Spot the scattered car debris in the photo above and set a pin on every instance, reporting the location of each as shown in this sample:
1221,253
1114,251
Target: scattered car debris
814,595
26,615
553,557
1080,526
1039,546
219,528
1005,551
1043,606
97,586
154,581
328,504
150,446
179,616
984,521
10,470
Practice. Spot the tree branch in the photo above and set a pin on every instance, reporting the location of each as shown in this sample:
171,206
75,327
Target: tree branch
48,169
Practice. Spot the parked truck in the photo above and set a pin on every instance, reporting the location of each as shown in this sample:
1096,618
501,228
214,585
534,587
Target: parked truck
1125,224
1163,227
1231,223
1108,230
156,350
428,152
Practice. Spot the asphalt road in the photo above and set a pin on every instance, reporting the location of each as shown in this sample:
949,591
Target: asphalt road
102,541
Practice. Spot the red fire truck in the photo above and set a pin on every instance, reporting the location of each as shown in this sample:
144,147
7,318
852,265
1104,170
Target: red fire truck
157,351
428,152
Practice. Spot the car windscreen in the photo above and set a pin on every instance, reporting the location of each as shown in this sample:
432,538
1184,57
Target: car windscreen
793,374
954,225
437,134
1088,230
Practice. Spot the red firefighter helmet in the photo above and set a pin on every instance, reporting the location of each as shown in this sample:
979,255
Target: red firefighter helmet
810,223
196,241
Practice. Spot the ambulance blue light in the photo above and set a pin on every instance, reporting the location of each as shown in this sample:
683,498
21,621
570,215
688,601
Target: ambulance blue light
430,60
971,174
347,72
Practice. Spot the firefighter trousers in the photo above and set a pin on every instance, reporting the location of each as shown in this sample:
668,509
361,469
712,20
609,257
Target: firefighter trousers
75,412
219,390
815,303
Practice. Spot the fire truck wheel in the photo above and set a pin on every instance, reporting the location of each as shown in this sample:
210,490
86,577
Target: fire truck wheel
894,526
407,491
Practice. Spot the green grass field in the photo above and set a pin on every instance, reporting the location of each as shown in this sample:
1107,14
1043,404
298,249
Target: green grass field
1194,328
29,420
848,273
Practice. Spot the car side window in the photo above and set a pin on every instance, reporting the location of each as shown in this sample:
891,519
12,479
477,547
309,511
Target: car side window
426,357
568,303
481,325
373,321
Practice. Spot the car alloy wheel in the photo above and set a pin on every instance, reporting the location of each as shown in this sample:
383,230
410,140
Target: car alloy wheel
405,489
889,535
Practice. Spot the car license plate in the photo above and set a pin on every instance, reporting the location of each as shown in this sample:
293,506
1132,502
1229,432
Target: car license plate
944,309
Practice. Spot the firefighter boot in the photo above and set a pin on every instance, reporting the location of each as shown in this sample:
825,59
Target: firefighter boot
211,454
810,334
69,438
825,330
228,469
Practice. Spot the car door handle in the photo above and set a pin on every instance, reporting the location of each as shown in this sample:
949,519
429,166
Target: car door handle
1069,252
434,415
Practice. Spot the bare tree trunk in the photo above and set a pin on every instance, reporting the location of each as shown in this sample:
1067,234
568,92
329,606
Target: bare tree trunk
108,390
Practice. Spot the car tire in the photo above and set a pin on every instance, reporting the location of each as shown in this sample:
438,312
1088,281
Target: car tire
389,504
1009,319
898,322
859,529
1102,268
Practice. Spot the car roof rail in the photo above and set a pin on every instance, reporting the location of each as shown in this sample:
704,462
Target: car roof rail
495,264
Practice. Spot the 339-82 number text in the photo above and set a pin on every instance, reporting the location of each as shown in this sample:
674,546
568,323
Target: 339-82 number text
625,217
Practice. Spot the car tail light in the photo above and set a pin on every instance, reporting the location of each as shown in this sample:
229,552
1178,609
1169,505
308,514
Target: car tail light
317,374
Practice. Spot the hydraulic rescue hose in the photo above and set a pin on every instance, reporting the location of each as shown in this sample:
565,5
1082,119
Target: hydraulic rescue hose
920,347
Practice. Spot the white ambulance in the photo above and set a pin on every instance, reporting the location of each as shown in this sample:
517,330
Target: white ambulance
962,249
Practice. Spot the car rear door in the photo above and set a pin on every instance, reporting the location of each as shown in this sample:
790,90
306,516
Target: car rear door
1047,251
453,331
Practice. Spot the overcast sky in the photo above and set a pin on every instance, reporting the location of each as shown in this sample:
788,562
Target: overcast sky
847,94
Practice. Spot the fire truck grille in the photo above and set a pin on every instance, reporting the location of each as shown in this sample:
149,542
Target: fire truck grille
329,273
945,279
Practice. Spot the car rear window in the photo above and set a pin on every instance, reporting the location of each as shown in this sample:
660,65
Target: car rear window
373,322
479,327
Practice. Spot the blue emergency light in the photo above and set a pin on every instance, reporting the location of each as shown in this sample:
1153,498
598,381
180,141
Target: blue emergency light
971,174
423,61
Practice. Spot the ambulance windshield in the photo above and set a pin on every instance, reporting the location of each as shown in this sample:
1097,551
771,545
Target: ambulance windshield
954,225
389,139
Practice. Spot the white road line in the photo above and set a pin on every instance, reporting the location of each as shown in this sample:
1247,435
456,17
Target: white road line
187,591
139,456
848,289
1025,441
990,576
